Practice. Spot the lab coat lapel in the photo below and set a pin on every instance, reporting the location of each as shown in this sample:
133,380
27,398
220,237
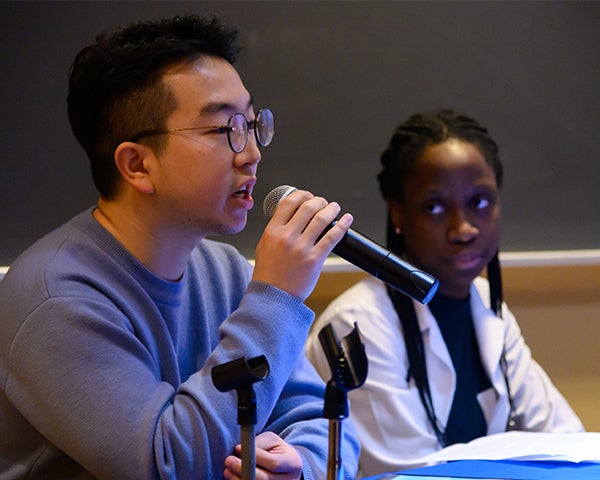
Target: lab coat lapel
440,370
489,329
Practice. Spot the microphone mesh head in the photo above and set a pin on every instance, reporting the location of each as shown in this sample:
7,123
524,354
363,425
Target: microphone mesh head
274,197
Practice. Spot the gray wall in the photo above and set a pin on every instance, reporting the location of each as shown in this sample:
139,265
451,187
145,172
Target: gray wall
339,77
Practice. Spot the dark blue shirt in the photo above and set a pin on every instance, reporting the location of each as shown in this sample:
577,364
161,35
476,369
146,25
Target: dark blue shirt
466,421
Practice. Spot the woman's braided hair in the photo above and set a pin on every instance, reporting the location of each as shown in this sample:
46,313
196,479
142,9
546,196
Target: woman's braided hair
399,159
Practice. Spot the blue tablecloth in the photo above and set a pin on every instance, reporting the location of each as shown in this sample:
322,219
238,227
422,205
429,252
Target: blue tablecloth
501,469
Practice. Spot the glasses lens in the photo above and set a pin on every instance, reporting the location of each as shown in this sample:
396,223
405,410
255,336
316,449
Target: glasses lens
238,132
265,128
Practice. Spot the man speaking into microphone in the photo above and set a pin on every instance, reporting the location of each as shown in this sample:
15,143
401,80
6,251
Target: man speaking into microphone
112,323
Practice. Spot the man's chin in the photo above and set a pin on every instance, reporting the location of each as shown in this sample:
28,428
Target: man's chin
228,230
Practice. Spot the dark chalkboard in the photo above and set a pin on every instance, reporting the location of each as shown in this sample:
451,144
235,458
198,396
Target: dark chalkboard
339,77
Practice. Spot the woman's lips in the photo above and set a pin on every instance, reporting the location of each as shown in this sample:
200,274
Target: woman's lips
467,262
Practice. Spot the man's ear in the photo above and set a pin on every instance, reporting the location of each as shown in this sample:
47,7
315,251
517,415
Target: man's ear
135,161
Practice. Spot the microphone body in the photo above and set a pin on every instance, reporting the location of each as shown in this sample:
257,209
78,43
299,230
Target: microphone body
371,257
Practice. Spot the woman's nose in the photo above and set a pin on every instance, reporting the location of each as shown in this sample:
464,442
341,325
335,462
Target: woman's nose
461,229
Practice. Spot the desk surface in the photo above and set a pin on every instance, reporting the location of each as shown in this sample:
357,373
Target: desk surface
500,469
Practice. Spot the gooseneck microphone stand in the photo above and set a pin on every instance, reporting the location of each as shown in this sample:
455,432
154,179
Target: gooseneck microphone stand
348,364
241,375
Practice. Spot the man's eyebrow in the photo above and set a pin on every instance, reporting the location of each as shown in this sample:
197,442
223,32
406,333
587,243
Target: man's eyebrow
216,107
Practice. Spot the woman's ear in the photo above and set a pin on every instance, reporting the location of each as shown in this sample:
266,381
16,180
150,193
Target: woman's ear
135,161
396,215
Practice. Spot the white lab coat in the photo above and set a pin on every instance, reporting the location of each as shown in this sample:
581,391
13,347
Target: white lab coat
392,424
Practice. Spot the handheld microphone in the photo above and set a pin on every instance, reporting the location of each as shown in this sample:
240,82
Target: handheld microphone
370,257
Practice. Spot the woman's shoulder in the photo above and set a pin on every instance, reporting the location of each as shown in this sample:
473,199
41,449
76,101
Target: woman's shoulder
363,294
366,301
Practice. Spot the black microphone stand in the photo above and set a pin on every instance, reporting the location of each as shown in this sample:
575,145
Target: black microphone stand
348,363
241,375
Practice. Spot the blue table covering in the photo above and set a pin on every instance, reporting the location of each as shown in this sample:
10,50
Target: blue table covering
501,469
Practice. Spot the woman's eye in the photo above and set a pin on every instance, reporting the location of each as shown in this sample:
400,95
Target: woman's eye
434,208
481,203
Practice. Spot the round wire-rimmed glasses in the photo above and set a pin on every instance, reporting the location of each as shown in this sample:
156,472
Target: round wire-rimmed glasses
237,129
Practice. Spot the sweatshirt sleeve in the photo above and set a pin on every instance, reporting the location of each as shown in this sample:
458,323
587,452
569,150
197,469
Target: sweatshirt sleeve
101,387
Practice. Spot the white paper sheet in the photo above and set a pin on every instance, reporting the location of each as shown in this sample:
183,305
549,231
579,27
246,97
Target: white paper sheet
570,447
